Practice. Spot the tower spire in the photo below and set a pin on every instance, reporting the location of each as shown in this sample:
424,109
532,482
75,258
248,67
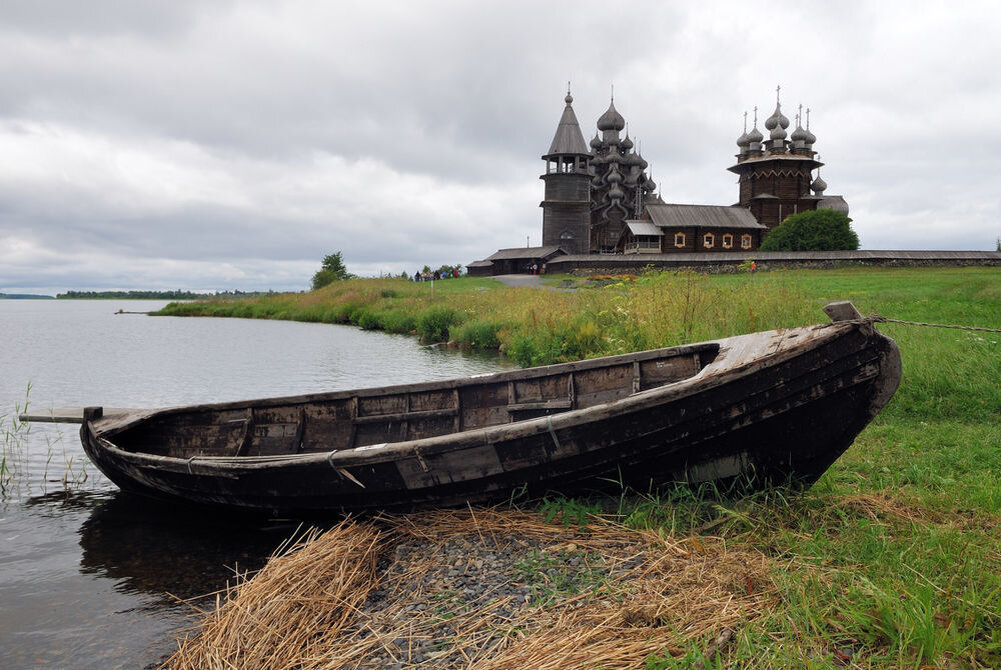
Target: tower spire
566,209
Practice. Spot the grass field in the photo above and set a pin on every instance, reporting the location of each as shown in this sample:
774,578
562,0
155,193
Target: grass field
894,558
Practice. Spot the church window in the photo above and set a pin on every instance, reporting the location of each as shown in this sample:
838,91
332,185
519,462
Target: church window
679,239
728,241
566,235
709,240
745,241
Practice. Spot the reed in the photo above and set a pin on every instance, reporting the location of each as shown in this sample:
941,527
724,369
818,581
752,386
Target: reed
13,450
17,441
308,609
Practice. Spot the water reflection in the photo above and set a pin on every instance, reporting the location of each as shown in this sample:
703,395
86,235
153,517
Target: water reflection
172,552
88,577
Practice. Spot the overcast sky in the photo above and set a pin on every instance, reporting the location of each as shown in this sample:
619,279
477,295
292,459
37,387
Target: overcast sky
215,144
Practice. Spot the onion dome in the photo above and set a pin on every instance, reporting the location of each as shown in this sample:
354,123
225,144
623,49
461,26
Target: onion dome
810,137
642,162
613,176
755,136
742,141
611,119
596,142
835,202
798,135
777,120
627,143
649,185
819,185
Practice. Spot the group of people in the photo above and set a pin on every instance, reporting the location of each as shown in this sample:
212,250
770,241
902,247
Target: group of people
428,275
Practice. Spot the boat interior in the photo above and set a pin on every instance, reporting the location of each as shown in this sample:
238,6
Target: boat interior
350,419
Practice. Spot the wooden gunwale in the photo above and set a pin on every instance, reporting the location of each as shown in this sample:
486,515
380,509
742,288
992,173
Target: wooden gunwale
707,379
346,491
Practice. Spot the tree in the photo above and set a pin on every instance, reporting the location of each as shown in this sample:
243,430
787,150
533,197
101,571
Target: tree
332,269
819,230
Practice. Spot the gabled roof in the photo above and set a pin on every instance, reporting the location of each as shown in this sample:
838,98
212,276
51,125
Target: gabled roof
643,228
702,216
568,138
524,252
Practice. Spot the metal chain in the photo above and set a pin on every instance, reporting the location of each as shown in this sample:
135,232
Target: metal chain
882,319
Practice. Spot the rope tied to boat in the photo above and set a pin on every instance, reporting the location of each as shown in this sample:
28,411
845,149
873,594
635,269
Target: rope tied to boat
549,424
878,318
343,472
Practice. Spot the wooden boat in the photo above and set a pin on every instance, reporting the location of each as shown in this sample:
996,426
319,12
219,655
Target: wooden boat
767,408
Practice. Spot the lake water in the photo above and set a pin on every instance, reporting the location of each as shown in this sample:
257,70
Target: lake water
90,577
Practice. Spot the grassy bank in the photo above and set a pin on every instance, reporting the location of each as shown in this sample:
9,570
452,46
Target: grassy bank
892,560
537,326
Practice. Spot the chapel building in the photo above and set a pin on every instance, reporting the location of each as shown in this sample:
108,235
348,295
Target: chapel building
600,199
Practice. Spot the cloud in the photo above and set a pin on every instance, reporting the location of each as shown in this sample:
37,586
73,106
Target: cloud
232,144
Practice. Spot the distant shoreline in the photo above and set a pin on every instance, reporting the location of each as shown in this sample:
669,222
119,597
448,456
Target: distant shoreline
134,295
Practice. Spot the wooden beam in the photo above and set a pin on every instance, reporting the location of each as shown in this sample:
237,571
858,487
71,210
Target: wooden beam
66,414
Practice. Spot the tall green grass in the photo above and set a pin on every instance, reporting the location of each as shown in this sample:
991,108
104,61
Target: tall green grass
537,326
13,449
893,559
17,476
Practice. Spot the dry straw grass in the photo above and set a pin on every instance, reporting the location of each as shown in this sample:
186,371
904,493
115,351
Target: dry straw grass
330,602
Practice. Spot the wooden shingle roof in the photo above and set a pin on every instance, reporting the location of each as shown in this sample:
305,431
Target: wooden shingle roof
568,138
524,252
702,216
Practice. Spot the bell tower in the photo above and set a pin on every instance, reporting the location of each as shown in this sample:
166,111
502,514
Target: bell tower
566,210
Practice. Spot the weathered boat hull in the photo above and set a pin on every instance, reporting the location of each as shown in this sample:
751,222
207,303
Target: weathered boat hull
756,410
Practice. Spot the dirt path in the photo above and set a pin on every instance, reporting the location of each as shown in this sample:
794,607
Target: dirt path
524,280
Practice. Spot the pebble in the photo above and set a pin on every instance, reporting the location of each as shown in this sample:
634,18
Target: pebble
466,574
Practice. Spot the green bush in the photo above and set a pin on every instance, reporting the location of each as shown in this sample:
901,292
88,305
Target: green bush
820,230
397,321
369,320
434,323
342,313
481,334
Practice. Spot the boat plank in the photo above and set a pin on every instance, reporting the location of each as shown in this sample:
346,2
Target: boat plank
68,414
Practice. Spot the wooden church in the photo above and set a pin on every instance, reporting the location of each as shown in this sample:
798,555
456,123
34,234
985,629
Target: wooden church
600,199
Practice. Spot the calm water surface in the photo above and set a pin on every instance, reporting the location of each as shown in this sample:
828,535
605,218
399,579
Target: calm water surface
89,577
